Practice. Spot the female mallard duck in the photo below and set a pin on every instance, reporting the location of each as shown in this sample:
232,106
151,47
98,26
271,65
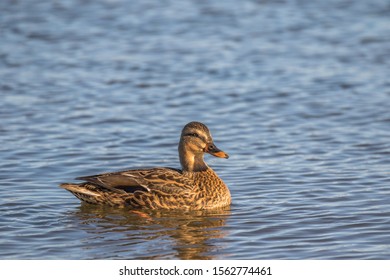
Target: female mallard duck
194,187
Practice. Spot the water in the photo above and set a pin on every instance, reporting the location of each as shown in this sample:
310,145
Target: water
297,92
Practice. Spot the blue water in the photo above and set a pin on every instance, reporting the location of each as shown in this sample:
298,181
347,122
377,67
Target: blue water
296,92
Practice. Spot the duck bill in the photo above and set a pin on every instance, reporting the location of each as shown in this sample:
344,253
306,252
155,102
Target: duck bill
213,150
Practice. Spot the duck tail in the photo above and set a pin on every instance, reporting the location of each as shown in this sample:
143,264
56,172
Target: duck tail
83,192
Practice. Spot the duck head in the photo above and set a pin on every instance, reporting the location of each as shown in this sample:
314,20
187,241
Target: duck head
196,140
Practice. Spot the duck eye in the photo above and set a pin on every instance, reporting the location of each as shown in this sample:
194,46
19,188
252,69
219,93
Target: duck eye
194,134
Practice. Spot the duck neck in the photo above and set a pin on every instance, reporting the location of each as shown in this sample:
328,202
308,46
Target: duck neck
192,162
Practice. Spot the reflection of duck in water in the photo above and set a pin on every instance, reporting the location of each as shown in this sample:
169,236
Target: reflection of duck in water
166,234
194,187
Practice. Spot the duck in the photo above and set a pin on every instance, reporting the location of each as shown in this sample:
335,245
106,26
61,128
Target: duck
193,187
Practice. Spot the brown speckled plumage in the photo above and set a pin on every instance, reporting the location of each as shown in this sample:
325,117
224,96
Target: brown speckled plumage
195,187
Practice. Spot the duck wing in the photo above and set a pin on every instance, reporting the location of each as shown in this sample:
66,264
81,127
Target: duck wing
167,180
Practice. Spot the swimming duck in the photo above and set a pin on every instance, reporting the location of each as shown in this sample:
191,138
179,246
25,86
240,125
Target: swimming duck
195,187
